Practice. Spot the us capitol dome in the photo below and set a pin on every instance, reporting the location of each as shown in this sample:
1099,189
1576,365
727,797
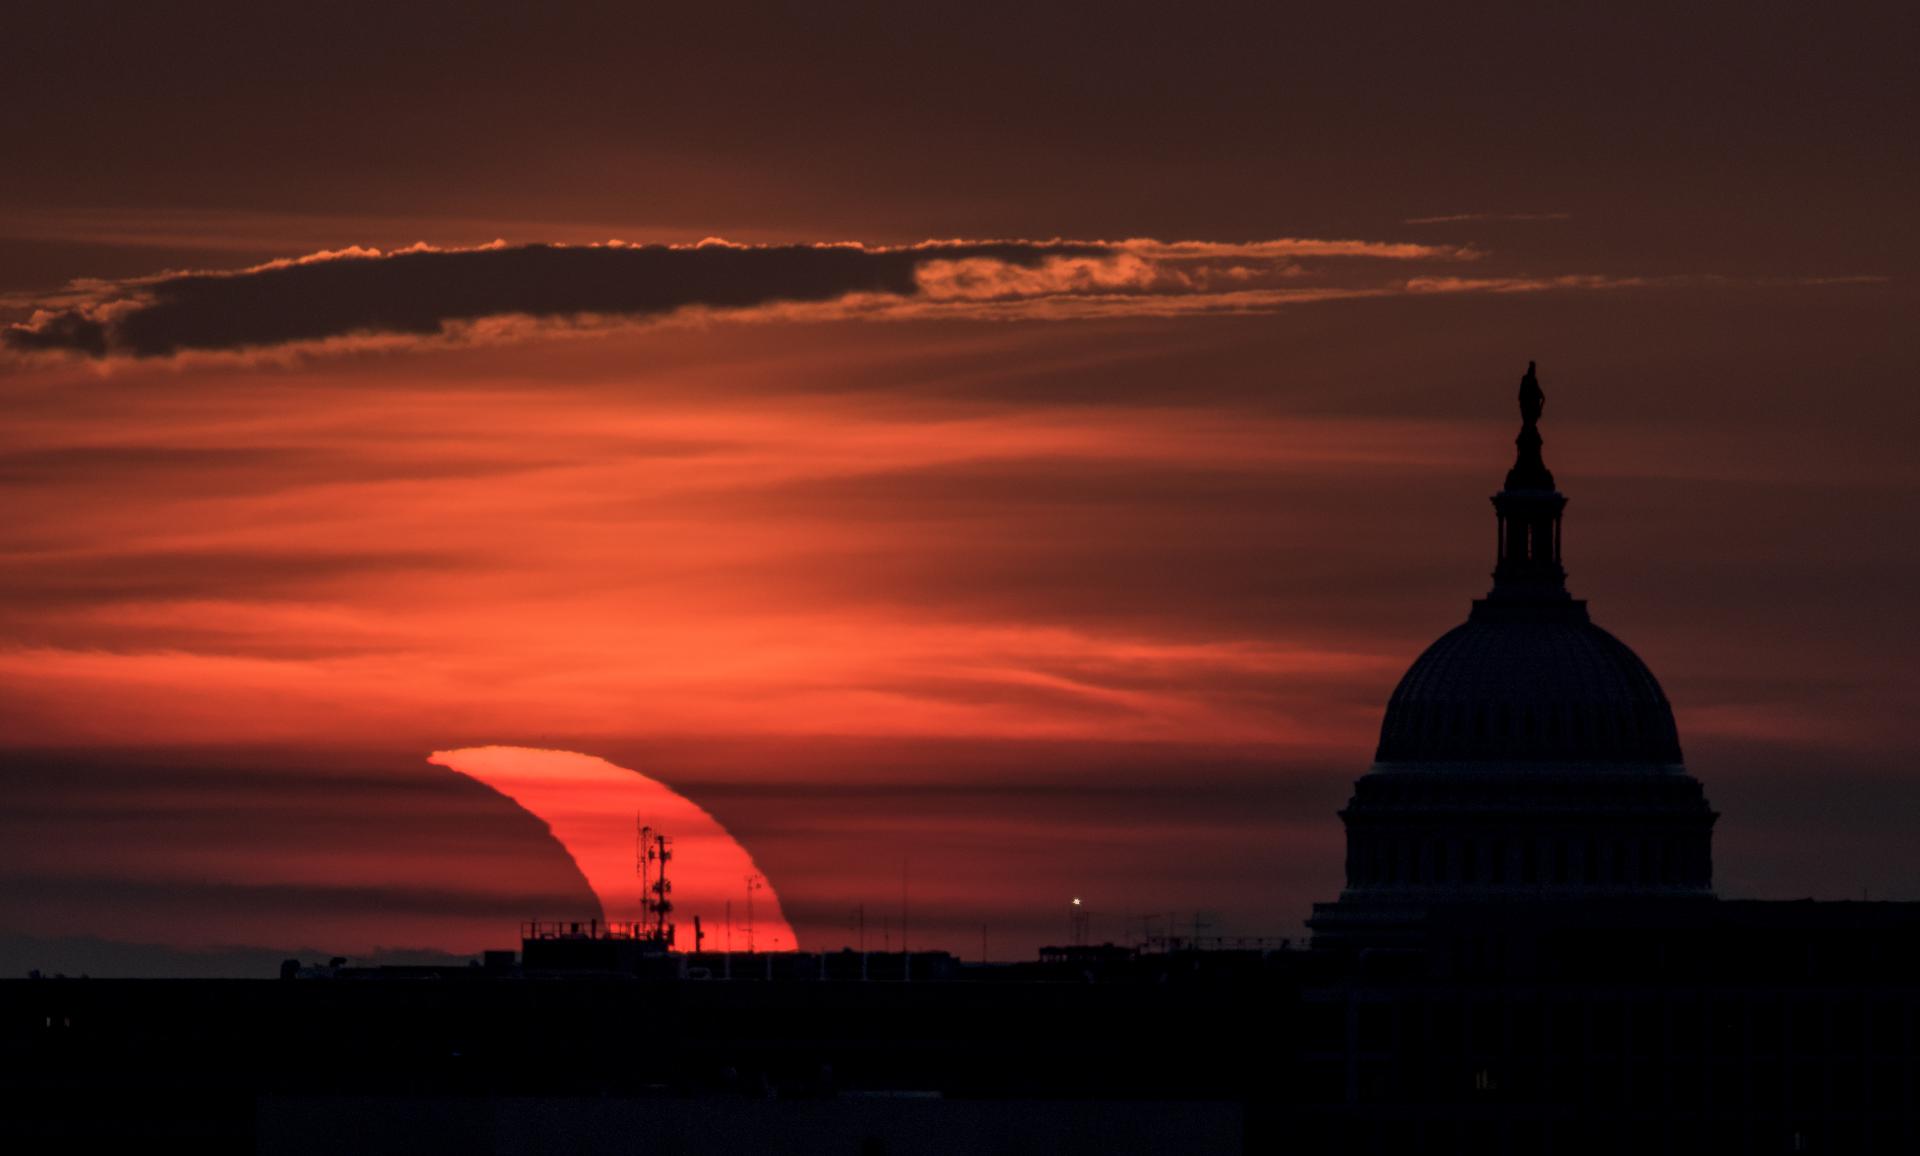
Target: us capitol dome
1526,756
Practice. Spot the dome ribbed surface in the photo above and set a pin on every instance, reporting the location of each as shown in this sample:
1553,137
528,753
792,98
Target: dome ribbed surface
1529,691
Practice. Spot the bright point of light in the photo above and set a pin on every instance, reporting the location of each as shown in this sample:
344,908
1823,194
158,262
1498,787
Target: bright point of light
1076,901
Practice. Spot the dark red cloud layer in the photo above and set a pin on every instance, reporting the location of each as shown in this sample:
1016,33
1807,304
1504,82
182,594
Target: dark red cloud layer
422,291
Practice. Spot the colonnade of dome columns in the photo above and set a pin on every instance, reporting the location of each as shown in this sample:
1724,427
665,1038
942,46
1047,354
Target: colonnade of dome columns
1531,858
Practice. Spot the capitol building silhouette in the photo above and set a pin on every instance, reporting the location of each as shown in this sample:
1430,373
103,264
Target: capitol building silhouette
1528,955
1527,757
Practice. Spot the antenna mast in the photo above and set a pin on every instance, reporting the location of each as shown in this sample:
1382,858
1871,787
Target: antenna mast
650,861
755,883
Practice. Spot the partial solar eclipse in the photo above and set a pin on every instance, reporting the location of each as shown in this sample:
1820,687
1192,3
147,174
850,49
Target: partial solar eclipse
590,806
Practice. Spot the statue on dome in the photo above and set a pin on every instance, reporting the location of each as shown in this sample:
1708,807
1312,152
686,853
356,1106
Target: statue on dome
1532,398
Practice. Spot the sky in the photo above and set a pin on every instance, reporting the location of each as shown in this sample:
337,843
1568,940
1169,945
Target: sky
978,456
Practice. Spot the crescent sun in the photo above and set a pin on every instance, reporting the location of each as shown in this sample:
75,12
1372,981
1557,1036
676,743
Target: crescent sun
590,806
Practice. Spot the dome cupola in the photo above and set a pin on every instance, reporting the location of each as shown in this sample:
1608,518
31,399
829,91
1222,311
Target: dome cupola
1528,677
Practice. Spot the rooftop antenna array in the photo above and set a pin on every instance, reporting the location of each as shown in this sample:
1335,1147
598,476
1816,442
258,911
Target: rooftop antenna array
651,852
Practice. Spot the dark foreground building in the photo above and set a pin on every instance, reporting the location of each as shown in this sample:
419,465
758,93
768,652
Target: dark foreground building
1528,957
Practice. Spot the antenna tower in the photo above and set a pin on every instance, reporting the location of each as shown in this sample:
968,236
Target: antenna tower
754,883
651,854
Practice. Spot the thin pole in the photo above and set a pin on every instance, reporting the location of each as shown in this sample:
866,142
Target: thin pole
754,883
640,865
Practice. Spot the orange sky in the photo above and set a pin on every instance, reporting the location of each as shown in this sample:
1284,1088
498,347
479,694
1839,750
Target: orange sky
1064,567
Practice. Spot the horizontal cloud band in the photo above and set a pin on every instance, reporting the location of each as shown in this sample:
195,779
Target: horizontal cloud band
425,291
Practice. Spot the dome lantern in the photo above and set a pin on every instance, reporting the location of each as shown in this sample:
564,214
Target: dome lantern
1527,569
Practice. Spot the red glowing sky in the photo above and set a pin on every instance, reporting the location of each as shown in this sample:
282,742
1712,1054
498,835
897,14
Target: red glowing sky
1051,568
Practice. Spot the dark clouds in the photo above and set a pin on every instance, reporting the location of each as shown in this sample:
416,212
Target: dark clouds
341,852
498,291
419,292
423,291
56,579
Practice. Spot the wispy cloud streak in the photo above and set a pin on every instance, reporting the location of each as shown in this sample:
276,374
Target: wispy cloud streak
427,292
361,298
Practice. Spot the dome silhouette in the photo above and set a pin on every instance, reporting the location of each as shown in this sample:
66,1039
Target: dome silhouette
1528,688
